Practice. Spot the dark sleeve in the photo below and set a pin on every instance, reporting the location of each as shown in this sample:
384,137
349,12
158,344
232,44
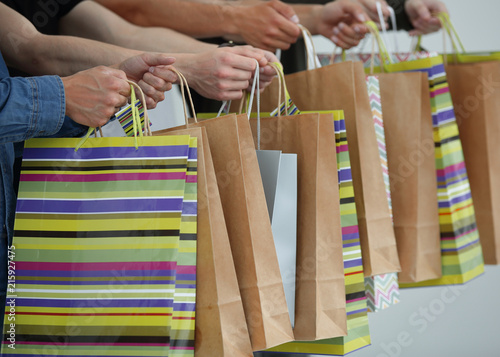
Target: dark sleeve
44,15
402,19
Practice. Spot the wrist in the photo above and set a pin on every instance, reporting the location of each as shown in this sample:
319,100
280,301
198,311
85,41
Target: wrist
230,14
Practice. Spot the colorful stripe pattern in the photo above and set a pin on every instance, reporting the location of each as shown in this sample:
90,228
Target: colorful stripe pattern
357,318
462,257
382,291
184,308
124,116
96,237
291,109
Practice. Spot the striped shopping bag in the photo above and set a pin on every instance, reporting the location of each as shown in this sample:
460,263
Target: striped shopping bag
462,257
382,290
182,333
96,238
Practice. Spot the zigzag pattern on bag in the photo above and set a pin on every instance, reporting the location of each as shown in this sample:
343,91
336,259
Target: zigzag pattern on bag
382,291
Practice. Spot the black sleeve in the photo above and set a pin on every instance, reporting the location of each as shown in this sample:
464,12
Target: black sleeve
44,15
402,19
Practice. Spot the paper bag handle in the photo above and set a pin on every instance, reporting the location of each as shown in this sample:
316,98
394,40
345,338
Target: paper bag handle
185,88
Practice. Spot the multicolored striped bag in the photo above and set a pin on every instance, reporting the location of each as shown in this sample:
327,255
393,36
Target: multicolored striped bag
382,291
462,258
96,238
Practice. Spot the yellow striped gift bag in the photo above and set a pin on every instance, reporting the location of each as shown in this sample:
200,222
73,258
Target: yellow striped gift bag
96,237
461,253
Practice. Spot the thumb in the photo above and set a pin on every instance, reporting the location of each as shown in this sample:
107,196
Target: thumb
285,10
158,59
356,11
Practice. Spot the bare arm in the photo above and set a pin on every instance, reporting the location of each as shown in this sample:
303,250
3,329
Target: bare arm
91,20
26,49
264,24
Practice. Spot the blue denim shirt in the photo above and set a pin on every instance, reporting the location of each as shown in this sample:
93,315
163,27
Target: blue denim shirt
29,107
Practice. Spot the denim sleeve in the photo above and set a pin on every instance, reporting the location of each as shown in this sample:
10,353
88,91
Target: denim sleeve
31,107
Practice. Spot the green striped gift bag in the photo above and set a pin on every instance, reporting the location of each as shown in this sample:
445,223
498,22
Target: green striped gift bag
182,333
461,253
97,238
382,290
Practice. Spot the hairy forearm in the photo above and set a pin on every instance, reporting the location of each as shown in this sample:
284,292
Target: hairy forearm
91,20
196,19
65,55
24,48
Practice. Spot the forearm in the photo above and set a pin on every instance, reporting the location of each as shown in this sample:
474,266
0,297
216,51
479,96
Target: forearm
309,16
91,20
65,55
196,19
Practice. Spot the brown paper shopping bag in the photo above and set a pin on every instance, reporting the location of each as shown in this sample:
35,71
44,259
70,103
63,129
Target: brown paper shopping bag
342,87
320,305
410,156
249,229
475,90
248,226
221,329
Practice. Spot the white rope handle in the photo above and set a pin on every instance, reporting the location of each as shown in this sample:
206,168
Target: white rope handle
383,26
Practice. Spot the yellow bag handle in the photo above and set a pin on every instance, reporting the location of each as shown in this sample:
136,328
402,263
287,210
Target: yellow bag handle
135,117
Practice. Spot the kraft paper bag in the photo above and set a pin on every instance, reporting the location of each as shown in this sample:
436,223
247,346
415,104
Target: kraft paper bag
221,329
320,302
342,87
249,228
410,156
475,91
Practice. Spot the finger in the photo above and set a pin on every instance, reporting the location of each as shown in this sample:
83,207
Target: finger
156,82
339,42
271,57
241,57
114,72
289,20
346,32
232,95
225,86
286,10
151,92
356,11
157,59
164,72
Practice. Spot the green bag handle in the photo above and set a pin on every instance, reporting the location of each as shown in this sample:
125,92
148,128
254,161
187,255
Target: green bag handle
136,118
384,53
448,28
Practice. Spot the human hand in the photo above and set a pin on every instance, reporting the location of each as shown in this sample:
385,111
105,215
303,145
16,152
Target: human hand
223,73
93,96
268,25
151,72
421,14
342,22
370,7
